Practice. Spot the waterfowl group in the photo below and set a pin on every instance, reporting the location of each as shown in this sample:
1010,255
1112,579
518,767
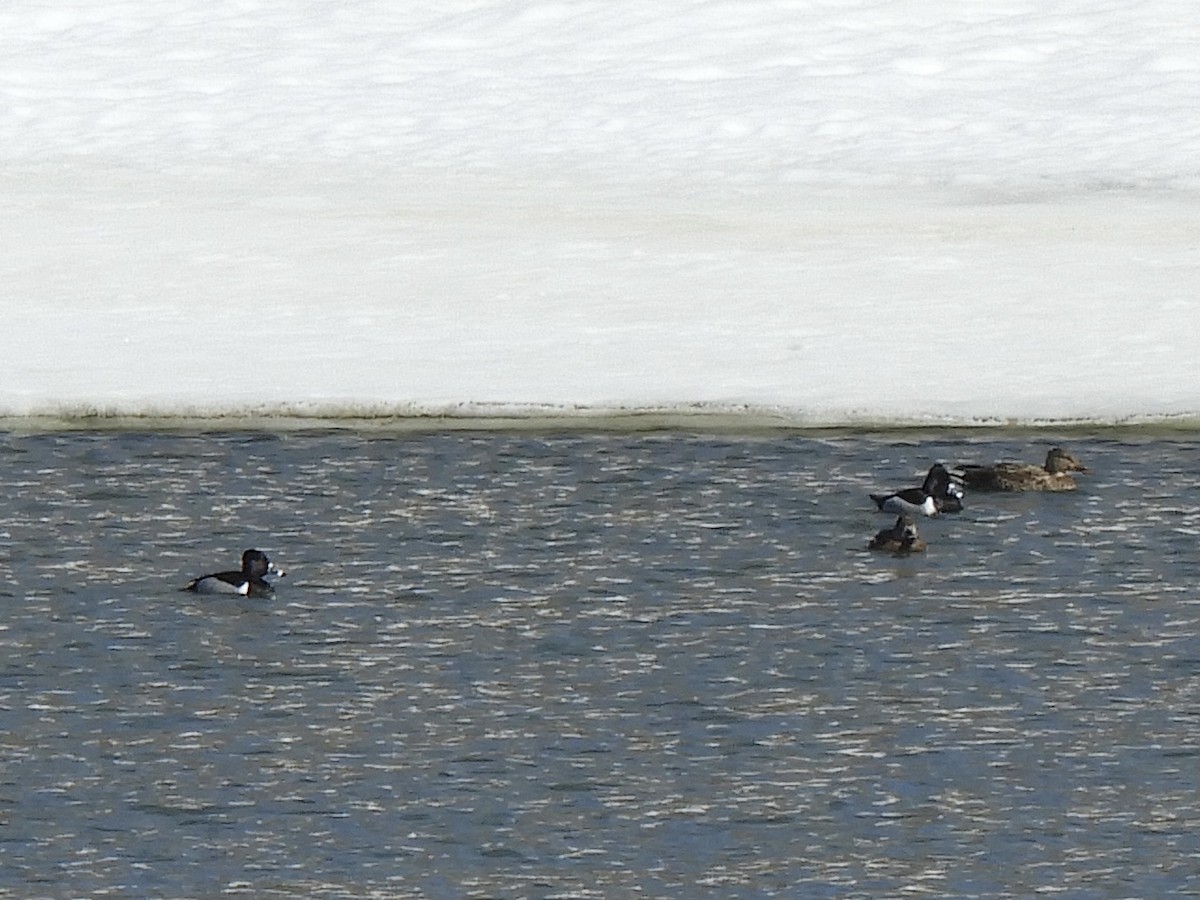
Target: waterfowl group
249,581
942,491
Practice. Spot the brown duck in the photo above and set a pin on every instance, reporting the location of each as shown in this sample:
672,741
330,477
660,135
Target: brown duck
900,538
1015,476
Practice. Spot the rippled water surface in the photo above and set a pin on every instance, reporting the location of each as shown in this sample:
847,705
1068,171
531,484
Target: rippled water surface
530,665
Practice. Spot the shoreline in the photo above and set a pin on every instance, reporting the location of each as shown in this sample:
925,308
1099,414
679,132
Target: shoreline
696,419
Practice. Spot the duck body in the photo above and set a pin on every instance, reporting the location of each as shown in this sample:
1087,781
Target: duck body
1055,475
939,484
911,502
901,538
249,581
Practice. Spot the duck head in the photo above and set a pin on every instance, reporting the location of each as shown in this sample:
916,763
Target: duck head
1059,462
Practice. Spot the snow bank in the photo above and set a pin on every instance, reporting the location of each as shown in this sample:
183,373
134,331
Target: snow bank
844,213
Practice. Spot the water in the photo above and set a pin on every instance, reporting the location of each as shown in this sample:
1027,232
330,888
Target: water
538,665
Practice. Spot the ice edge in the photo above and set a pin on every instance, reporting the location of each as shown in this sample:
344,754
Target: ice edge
462,416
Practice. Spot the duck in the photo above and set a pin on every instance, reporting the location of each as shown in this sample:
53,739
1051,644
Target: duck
940,485
1055,475
900,538
249,582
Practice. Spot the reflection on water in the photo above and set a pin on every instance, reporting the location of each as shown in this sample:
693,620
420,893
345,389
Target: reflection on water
593,665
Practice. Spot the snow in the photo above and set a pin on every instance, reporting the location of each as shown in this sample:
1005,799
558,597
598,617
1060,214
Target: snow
799,211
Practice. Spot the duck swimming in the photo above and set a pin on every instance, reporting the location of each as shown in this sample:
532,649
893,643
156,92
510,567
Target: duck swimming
249,582
944,489
1055,475
900,538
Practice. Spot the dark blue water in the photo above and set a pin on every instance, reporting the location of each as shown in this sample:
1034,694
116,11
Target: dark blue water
532,665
